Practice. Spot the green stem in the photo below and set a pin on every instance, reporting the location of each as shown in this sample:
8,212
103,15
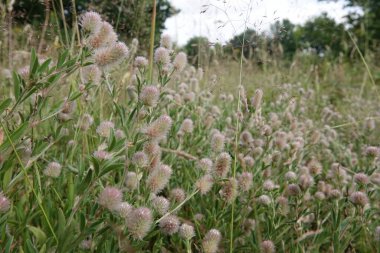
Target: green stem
152,32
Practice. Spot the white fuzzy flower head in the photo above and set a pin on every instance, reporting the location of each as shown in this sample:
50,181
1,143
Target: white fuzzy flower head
180,61
211,241
160,205
90,21
139,222
91,74
186,231
105,128
110,198
108,57
166,42
53,169
104,37
141,62
149,95
5,204
169,225
162,56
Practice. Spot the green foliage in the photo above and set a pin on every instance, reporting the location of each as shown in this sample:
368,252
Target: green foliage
131,18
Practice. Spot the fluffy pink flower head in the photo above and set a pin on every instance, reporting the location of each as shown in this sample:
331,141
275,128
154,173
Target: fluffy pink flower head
159,178
90,21
149,95
169,225
105,36
159,128
108,57
211,241
53,169
110,198
139,222
180,61
5,204
222,165
162,56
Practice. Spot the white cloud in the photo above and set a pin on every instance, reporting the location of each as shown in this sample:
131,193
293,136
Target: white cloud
225,18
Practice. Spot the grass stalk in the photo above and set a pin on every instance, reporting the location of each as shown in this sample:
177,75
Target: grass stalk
151,46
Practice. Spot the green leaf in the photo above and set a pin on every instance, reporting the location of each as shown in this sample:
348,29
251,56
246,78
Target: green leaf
33,70
4,105
14,137
38,233
8,245
16,85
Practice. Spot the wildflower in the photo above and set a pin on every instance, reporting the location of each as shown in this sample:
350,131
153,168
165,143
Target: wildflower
205,164
186,231
264,200
222,164
5,204
53,169
256,100
320,195
293,190
361,178
249,225
210,242
372,151
187,126
268,185
180,61
141,62
217,142
124,209
109,56
119,134
161,56
229,190
359,198
177,194
139,222
169,225
131,181
268,247
149,95
290,176
245,180
159,128
101,154
166,41
110,198
140,159
104,129
90,21
158,178
204,184
86,244
105,36
86,122
160,205
91,74
335,193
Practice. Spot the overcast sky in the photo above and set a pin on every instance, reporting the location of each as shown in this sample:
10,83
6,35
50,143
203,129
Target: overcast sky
220,20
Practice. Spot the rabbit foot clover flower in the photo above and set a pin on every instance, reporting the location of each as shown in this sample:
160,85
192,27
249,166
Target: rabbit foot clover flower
53,169
169,225
139,222
110,198
210,242
5,204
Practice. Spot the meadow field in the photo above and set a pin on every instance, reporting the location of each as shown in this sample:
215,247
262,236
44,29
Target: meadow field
114,144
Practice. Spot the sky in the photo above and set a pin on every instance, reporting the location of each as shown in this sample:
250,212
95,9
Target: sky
220,20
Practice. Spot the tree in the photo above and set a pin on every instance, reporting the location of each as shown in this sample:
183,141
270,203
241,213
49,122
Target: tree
131,18
283,32
322,34
198,50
